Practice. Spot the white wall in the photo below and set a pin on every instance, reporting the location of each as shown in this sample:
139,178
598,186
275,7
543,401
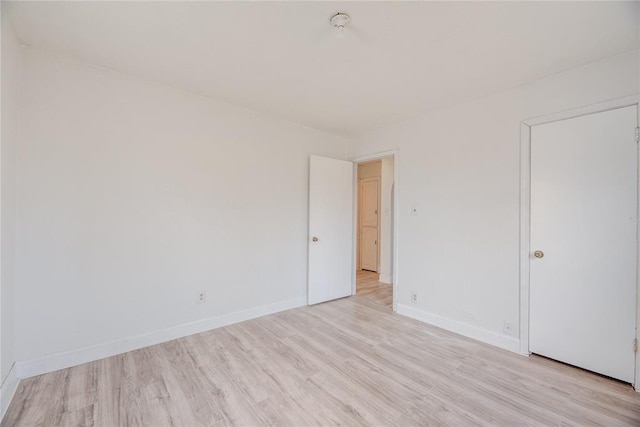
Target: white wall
11,63
386,220
460,165
133,197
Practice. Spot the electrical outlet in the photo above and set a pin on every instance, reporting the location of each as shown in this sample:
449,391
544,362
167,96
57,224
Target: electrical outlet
414,297
507,328
202,297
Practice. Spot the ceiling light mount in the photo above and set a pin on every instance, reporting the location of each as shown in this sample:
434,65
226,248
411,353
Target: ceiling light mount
339,21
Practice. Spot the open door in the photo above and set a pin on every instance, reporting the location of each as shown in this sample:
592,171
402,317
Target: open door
330,229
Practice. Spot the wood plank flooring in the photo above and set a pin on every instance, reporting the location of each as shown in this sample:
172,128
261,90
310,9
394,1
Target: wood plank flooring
350,362
368,286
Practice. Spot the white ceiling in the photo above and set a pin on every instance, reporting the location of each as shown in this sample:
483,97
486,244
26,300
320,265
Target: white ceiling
398,59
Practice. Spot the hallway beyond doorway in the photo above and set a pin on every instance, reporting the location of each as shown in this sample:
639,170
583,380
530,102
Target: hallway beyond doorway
368,287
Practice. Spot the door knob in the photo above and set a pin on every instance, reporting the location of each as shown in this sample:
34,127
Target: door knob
538,254
315,239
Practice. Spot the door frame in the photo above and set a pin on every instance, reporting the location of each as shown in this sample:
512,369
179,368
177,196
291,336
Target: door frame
359,213
525,210
395,154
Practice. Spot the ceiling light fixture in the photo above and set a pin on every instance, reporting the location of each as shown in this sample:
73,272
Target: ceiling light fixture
339,21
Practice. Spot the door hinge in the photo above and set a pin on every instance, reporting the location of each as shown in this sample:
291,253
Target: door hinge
638,134
375,242
635,345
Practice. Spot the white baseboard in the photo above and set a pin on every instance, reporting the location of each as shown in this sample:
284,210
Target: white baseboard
385,278
54,362
469,331
8,389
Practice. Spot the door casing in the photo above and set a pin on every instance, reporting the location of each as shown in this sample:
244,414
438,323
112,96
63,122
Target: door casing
525,211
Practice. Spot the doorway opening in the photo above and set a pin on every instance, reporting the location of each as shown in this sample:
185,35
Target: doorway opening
374,230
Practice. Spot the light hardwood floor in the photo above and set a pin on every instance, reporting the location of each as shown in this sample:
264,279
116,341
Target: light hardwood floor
350,361
368,286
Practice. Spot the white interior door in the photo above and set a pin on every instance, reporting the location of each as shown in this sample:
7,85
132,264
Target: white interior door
583,222
330,229
369,221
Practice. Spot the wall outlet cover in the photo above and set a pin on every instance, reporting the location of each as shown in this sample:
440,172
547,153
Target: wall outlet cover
202,297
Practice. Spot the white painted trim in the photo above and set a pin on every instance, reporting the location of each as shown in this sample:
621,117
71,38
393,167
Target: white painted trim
636,372
386,278
525,233
525,208
584,110
469,331
395,154
8,390
54,362
358,209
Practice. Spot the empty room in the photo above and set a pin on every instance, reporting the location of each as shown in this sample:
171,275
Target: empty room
319,213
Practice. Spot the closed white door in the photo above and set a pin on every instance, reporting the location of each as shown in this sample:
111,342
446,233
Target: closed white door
369,221
330,229
583,241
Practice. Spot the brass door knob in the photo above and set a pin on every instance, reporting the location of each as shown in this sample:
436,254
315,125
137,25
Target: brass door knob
538,254
315,239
